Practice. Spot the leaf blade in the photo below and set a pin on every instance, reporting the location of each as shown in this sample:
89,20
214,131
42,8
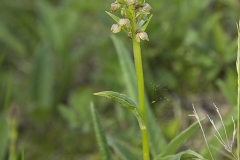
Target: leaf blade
3,135
42,93
115,18
178,140
124,151
120,98
182,155
126,102
144,27
100,135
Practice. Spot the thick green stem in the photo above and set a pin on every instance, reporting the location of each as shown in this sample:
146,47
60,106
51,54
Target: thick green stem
140,83
238,121
238,99
139,72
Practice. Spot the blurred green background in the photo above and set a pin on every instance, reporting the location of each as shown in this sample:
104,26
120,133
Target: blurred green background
55,54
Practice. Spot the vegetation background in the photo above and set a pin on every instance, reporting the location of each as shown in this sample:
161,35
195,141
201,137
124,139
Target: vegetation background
54,54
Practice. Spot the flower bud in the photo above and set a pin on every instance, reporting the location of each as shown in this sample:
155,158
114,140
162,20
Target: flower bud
130,1
123,11
115,28
115,6
146,7
141,35
130,34
124,22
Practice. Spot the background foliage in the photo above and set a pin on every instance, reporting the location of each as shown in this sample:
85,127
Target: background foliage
56,53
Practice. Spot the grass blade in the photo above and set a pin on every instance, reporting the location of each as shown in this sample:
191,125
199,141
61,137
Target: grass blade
123,150
3,135
7,97
43,72
101,139
4,124
189,154
174,145
12,41
144,27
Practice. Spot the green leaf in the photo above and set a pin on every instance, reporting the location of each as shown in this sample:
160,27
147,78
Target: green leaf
4,124
43,78
219,38
144,27
157,141
76,113
7,97
100,135
3,135
223,153
170,128
123,150
2,57
120,98
177,142
228,92
182,156
51,29
113,16
126,102
9,39
69,115
228,85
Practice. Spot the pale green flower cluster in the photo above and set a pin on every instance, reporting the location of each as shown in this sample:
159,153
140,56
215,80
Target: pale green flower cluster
133,11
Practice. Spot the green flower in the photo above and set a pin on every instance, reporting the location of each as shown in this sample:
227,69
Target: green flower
124,22
145,7
141,35
115,6
115,28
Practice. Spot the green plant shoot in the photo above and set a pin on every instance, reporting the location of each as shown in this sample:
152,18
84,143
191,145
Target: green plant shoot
134,21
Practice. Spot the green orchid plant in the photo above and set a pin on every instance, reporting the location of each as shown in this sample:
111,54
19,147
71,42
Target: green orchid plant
135,19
